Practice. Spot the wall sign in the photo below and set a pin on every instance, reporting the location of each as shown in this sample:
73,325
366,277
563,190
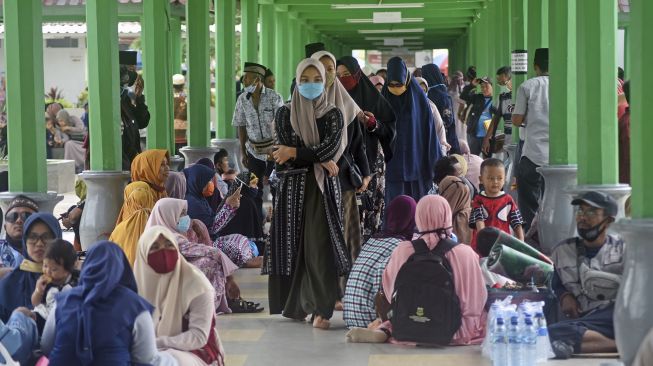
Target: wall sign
519,62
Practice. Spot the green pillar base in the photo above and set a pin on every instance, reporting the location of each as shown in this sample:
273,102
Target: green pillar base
193,154
104,198
46,201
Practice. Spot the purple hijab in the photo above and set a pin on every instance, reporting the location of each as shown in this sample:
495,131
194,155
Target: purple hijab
400,219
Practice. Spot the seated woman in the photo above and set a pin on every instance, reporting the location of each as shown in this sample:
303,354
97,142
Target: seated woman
139,201
17,287
200,185
455,191
365,276
152,167
433,219
86,329
183,299
195,245
176,185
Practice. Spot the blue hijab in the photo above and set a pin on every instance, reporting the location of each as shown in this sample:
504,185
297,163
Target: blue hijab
438,94
417,147
17,287
106,286
197,177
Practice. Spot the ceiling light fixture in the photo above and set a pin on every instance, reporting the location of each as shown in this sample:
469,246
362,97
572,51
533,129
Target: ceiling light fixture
382,38
370,21
375,6
398,30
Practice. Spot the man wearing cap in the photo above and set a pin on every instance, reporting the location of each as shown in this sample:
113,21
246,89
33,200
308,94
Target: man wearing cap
180,108
531,114
20,208
588,271
481,110
133,111
254,116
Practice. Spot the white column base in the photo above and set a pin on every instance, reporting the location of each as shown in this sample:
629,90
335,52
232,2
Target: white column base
233,148
45,201
556,214
193,154
632,316
104,198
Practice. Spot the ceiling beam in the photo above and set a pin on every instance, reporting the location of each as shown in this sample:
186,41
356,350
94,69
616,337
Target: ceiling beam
412,13
373,2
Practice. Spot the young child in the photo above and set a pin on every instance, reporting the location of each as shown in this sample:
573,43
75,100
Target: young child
493,207
59,275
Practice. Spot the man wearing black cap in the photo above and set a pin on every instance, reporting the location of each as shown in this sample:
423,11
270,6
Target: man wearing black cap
531,112
133,111
20,208
253,116
588,271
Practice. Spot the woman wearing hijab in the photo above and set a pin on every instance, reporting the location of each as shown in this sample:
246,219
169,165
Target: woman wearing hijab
152,167
473,164
307,251
433,219
439,125
176,185
354,154
410,172
196,246
183,300
455,191
378,128
136,211
365,277
454,89
439,95
200,185
16,288
86,329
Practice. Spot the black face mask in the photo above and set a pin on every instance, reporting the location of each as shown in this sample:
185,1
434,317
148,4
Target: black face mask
592,233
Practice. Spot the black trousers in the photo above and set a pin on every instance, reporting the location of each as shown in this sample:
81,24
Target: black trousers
530,188
261,169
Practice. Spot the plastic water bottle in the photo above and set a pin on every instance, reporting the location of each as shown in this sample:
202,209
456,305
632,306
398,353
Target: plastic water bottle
543,341
493,314
529,341
515,356
499,344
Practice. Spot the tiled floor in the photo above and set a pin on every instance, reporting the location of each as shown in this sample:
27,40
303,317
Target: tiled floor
270,340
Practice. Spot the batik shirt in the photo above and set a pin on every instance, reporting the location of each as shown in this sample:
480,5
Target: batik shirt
257,122
9,257
500,212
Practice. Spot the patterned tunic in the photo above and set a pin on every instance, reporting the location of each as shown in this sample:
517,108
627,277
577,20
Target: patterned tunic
287,222
235,246
365,281
257,121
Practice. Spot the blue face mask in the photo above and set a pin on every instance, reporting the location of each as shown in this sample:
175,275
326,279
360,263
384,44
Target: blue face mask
184,224
311,91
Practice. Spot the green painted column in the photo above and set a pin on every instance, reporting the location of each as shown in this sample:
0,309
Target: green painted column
225,97
158,83
506,31
641,130
267,38
519,23
103,88
27,168
538,29
597,93
175,45
484,38
249,32
295,49
197,34
627,53
562,82
282,54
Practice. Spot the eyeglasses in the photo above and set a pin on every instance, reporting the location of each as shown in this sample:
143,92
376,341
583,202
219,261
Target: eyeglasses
590,214
44,238
13,217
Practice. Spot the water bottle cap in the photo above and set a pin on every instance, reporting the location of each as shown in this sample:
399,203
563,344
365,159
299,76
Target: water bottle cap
514,320
499,321
539,315
528,321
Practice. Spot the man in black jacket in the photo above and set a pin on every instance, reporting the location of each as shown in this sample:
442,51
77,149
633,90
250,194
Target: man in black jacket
480,110
134,114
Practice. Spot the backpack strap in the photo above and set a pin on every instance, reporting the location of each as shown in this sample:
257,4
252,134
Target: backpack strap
443,247
420,246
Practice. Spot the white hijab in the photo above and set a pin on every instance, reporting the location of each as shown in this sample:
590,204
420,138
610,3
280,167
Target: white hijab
304,114
170,293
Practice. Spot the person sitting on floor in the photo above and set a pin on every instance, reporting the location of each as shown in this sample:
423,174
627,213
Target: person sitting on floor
365,276
433,219
588,271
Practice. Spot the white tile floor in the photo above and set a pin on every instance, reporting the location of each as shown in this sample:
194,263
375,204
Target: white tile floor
267,340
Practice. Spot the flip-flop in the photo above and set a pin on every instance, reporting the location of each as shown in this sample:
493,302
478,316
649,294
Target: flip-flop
242,306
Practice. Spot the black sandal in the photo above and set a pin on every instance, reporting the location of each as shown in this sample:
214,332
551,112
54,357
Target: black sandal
241,306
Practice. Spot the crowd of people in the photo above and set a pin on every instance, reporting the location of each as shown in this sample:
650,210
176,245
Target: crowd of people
372,177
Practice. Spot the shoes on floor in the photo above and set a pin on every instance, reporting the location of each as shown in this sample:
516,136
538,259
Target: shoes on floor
562,350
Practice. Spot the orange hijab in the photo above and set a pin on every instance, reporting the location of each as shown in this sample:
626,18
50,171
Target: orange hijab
138,204
145,168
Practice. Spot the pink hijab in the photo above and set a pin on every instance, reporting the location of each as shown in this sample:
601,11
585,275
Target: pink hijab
433,212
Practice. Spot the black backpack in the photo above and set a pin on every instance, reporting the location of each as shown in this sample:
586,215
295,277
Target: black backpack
425,307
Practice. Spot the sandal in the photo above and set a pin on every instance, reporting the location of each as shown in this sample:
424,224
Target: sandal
241,306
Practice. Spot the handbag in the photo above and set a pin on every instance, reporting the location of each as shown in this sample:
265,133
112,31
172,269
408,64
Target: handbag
264,147
355,176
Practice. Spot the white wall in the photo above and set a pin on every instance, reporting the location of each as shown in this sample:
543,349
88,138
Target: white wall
64,68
